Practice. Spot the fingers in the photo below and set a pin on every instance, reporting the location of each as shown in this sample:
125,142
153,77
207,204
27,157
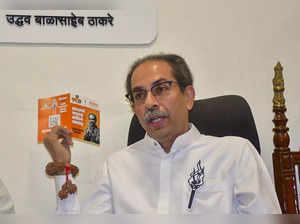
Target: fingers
66,144
58,143
60,133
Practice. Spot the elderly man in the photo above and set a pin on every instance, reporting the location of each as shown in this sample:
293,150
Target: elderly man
174,169
92,132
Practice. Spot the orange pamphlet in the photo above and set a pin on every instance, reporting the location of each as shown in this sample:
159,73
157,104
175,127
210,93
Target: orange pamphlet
77,113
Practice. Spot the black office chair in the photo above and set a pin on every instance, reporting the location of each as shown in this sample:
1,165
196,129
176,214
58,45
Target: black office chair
228,115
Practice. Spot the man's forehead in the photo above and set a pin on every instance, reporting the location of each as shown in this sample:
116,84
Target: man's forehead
151,72
157,82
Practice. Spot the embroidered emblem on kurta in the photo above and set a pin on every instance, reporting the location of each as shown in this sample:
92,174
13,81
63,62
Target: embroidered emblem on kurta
195,181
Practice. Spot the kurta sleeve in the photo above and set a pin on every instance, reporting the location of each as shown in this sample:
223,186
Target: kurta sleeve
99,202
69,205
254,191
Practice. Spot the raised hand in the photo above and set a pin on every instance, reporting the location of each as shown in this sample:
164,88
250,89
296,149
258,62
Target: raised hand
58,143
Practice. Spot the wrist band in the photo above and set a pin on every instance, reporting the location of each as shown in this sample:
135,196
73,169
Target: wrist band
56,168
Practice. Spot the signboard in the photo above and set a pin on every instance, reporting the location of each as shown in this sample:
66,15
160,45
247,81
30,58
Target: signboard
78,26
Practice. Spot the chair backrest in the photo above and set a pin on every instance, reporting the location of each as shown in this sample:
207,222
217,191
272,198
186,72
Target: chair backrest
284,161
228,115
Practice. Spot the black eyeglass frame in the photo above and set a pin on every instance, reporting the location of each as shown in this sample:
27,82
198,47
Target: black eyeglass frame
129,96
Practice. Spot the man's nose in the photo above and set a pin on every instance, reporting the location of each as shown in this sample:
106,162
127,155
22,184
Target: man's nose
150,100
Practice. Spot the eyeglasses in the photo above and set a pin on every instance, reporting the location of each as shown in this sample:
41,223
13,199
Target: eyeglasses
158,90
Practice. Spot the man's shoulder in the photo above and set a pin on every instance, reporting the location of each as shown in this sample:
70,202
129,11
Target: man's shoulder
128,150
227,144
235,140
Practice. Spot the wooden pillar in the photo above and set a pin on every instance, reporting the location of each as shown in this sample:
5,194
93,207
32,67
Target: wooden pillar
284,168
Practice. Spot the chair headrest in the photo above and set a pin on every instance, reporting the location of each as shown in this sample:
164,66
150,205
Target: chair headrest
228,115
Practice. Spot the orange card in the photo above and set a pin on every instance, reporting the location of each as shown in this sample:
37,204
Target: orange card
77,113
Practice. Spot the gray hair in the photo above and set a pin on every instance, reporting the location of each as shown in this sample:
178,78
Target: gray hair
181,71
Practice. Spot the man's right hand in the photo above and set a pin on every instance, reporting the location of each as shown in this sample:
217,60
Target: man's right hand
58,143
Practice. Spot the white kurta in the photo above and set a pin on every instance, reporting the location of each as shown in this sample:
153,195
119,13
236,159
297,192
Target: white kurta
6,203
232,178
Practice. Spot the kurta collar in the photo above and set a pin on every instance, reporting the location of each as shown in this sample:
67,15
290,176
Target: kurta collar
180,142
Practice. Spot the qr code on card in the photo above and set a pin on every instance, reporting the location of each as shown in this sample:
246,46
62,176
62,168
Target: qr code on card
54,120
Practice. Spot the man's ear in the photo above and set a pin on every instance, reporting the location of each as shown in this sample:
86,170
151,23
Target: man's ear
189,94
132,108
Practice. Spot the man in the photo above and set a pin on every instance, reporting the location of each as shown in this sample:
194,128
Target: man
6,203
174,169
92,132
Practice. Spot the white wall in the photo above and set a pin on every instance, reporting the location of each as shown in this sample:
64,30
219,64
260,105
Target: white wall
231,47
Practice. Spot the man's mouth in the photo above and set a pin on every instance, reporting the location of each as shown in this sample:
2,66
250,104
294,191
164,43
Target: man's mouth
157,122
156,118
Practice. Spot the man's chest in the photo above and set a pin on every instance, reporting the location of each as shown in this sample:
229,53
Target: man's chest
186,184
